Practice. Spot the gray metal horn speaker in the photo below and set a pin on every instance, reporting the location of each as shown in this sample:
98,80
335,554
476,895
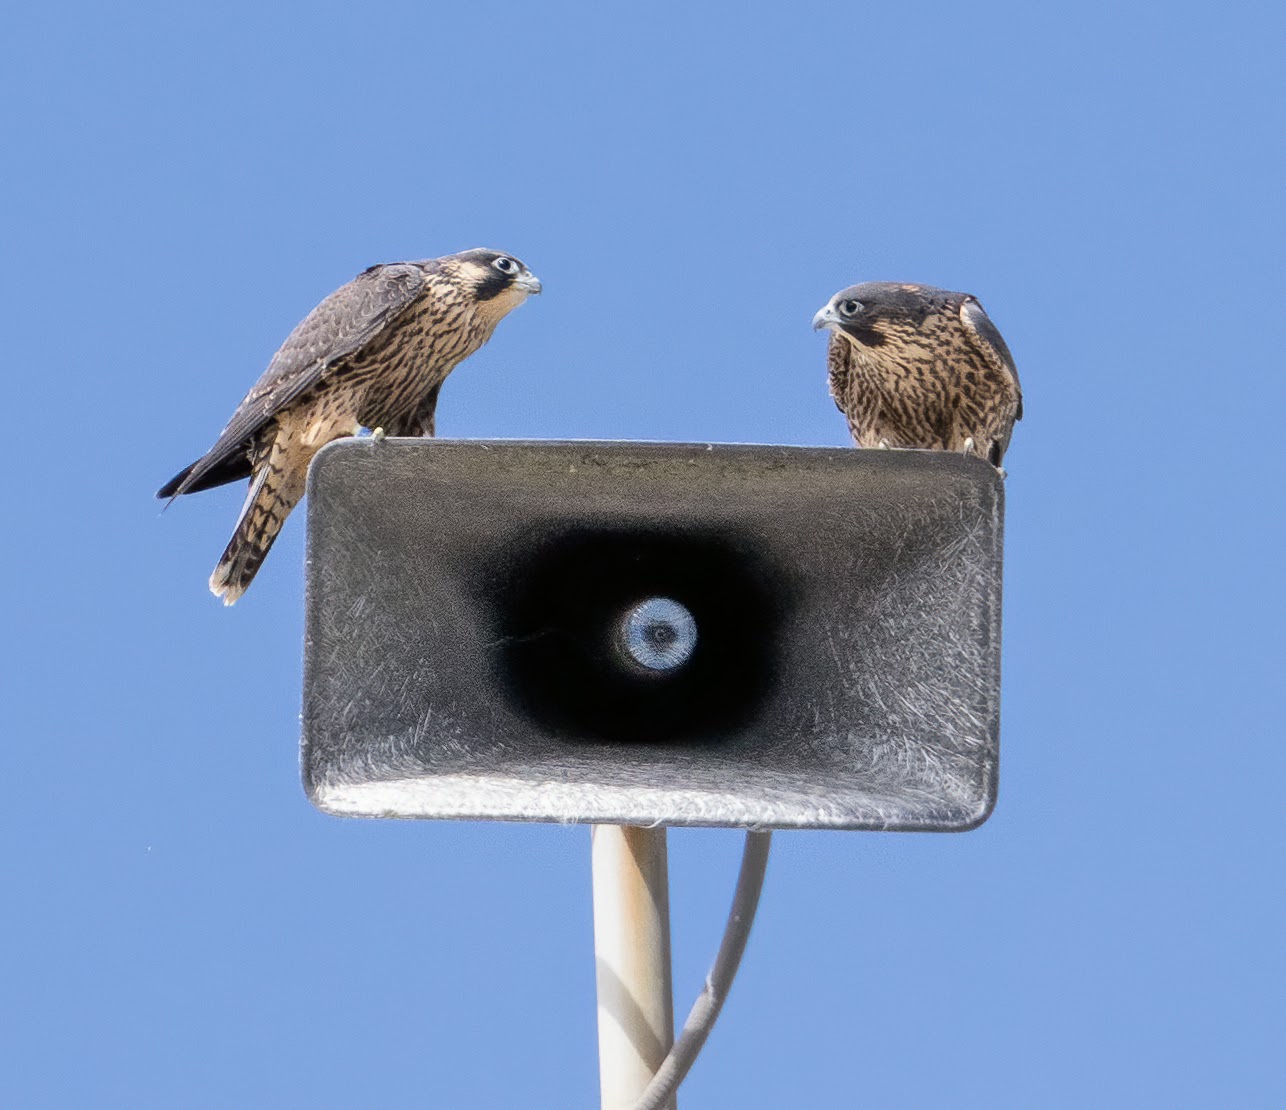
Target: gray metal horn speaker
653,633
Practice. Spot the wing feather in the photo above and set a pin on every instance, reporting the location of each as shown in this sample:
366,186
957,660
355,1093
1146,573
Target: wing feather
344,323
230,470
992,346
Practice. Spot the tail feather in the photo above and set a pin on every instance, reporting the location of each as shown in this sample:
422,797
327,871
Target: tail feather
274,491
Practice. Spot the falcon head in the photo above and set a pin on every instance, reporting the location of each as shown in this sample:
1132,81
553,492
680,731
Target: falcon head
493,276
870,314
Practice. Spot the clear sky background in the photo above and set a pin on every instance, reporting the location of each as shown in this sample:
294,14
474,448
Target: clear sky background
183,182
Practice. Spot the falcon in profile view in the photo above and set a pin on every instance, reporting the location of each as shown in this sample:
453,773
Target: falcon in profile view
915,366
374,354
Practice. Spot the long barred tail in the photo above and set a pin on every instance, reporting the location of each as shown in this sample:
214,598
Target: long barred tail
275,489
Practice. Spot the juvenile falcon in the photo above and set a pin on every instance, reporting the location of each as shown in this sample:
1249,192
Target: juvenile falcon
374,355
915,366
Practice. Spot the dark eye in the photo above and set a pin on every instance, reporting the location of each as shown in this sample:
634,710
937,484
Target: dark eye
850,308
505,265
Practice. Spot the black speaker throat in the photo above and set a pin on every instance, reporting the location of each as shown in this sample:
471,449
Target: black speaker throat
559,605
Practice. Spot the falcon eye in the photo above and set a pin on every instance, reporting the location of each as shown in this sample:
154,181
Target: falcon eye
850,308
505,265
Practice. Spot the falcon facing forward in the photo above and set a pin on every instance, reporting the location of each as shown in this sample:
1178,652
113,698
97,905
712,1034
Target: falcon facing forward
915,366
374,355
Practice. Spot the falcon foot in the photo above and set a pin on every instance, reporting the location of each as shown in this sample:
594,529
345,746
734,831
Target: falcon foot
378,434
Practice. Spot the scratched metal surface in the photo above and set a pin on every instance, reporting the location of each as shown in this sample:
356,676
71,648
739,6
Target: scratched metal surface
875,704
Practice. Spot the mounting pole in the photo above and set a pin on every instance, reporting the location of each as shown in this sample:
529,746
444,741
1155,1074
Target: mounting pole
632,959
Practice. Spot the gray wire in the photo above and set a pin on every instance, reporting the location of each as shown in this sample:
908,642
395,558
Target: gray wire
704,1012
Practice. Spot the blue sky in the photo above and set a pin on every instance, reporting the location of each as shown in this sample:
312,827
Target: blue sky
691,182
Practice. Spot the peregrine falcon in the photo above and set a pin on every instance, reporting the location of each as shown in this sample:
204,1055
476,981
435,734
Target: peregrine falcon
915,366
373,355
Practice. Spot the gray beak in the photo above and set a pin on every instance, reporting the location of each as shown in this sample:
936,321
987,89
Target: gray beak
826,318
528,282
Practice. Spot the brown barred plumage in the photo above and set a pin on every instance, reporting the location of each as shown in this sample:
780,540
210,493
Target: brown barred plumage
373,354
915,366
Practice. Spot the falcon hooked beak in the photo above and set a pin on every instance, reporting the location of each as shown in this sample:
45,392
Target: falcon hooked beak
826,318
527,282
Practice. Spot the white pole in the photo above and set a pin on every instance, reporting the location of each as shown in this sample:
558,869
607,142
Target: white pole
632,960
